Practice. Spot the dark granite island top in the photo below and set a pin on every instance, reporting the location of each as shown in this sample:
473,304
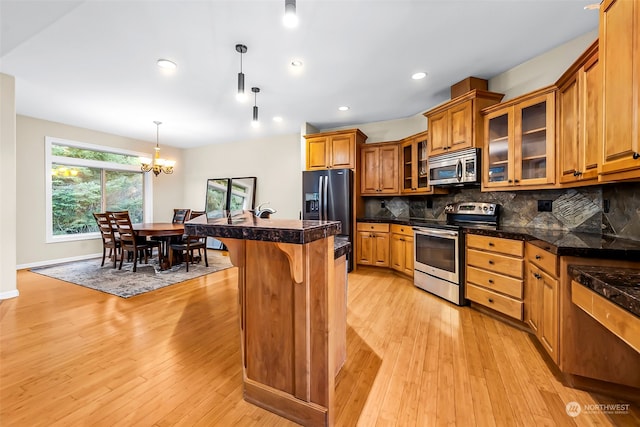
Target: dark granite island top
621,286
246,226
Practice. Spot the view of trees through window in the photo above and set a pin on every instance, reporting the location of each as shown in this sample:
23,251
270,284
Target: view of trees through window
78,191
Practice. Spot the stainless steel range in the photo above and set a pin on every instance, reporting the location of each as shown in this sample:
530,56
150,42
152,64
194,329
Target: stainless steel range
439,248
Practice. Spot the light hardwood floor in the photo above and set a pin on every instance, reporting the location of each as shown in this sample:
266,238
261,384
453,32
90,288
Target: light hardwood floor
74,356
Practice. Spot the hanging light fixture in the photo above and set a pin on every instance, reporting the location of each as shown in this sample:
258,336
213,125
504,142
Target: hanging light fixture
255,122
157,164
290,18
241,96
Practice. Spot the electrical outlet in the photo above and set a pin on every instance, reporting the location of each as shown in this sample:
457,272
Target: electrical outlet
429,204
544,205
606,205
383,204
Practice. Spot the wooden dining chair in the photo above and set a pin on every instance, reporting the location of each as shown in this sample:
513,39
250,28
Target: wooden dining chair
195,214
131,243
180,215
187,246
109,239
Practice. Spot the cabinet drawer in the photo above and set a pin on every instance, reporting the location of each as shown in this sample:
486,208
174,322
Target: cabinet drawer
402,229
495,301
494,281
496,263
371,226
496,244
543,259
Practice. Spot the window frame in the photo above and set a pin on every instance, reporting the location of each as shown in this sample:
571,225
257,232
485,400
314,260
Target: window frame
50,159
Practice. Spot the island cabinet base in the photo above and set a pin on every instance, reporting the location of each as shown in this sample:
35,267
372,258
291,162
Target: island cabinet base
289,323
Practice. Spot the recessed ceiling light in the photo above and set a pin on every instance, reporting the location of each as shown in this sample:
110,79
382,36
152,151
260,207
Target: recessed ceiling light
418,76
277,119
296,63
592,6
343,108
165,63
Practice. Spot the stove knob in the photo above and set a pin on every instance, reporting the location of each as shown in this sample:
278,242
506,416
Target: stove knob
484,208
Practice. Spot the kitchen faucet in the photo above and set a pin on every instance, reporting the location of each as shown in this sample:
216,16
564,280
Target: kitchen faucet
261,212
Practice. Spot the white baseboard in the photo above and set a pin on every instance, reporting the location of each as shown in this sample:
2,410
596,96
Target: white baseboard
9,294
57,261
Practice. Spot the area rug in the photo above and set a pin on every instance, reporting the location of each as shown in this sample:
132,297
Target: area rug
125,283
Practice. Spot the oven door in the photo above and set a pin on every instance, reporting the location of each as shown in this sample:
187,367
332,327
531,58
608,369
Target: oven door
436,253
444,172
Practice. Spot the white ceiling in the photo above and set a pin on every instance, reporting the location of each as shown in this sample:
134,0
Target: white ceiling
92,63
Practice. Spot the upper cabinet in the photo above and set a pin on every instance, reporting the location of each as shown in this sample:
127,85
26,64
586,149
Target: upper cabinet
379,173
333,150
620,63
519,148
457,124
580,120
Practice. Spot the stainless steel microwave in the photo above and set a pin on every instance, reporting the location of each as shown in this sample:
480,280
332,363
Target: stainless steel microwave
457,168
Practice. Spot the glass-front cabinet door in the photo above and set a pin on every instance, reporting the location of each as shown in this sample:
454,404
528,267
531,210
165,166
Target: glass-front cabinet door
519,141
499,149
415,177
534,131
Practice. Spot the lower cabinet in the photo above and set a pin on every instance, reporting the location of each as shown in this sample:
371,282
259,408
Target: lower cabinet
373,244
495,271
541,297
402,249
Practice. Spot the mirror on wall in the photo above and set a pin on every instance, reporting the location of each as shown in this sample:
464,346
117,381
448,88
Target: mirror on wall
224,194
217,195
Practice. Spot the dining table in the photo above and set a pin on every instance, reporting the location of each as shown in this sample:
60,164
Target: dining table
163,231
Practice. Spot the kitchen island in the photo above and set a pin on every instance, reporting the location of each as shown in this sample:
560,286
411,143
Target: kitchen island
292,302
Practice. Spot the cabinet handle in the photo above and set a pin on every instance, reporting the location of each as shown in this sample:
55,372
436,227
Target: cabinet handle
577,173
491,262
537,276
490,243
491,281
510,181
636,156
490,300
538,257
516,181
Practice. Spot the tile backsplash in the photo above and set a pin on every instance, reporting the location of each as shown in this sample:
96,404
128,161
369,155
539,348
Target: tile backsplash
612,209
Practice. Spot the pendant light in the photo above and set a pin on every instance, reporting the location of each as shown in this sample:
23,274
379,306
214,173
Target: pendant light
255,122
241,96
290,18
157,164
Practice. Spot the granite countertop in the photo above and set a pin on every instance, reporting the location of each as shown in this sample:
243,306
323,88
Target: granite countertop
621,286
244,225
558,242
341,247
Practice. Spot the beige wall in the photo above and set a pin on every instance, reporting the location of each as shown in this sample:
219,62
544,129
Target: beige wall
8,286
31,247
275,161
389,130
541,71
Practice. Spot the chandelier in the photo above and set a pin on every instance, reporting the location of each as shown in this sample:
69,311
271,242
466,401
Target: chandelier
157,164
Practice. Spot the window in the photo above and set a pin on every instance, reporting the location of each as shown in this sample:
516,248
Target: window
84,178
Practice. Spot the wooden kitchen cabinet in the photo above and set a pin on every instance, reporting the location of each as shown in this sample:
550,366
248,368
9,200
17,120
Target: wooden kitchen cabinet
372,244
457,124
333,150
379,172
519,148
414,175
541,298
580,120
494,273
401,242
620,63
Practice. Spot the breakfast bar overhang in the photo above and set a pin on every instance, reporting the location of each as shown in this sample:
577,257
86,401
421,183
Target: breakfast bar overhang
292,301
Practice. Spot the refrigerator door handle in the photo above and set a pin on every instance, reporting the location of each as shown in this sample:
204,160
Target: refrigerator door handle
324,202
320,198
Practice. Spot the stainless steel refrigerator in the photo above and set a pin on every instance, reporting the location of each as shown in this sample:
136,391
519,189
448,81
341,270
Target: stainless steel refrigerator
327,195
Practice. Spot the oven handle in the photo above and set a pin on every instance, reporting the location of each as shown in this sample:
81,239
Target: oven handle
433,232
459,170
